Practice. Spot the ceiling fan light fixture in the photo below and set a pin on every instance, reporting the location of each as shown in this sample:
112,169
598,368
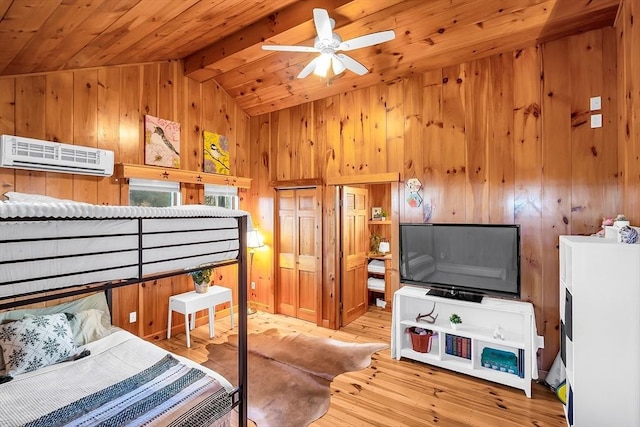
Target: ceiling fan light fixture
328,43
323,64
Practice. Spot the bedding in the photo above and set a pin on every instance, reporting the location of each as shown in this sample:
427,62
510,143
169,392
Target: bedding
122,375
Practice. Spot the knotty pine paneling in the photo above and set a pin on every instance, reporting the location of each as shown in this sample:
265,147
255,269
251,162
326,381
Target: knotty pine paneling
108,128
433,191
628,103
496,140
105,108
85,129
30,121
525,147
7,125
414,143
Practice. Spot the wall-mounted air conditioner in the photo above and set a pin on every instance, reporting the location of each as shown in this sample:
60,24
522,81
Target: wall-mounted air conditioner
34,154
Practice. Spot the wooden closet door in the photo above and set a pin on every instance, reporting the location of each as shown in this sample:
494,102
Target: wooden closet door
299,260
288,252
354,253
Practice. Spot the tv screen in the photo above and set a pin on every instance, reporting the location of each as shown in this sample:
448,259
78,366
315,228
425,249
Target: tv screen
462,260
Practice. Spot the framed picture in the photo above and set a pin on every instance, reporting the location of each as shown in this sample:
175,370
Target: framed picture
376,212
216,153
161,142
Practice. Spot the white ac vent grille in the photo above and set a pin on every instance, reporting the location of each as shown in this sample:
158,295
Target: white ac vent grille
37,151
33,154
80,156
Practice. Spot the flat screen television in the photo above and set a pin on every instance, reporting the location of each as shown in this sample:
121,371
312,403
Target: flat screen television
464,261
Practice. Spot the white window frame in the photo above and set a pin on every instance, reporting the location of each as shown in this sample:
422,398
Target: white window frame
225,191
158,186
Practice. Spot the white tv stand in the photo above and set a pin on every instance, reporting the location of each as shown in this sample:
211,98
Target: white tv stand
516,320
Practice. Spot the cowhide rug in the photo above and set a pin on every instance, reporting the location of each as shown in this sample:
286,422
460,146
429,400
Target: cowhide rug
289,375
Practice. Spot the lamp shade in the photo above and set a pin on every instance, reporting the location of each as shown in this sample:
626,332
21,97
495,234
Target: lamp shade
384,247
254,240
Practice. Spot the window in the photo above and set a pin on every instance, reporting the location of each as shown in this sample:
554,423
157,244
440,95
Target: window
223,196
147,192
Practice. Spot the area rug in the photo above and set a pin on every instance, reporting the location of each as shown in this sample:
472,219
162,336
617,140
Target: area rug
289,375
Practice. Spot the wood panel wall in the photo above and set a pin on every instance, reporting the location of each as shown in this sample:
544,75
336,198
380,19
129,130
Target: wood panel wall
105,108
628,31
504,139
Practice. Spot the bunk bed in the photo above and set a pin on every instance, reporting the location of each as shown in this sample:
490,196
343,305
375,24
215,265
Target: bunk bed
52,249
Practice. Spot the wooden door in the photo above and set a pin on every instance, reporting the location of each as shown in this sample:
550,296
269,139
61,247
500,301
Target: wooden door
354,293
299,259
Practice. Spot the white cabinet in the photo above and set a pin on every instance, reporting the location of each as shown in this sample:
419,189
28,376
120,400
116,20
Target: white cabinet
515,320
600,330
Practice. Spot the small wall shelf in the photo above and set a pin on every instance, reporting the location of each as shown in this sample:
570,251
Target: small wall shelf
125,170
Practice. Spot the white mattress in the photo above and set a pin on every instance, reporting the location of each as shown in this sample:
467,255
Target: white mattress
197,235
113,358
9,209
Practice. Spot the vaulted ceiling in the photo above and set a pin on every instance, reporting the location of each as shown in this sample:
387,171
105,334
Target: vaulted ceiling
222,39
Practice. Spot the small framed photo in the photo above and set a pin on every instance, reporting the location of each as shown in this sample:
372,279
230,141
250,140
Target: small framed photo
376,213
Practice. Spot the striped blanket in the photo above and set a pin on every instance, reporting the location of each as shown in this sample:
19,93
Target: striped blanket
166,394
125,381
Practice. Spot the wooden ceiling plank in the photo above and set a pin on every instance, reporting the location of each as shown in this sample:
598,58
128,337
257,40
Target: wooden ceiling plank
4,7
187,28
19,24
247,43
241,18
139,21
37,53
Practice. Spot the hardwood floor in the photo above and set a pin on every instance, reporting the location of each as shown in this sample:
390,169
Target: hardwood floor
397,393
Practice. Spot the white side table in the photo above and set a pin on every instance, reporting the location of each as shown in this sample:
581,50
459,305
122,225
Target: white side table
190,302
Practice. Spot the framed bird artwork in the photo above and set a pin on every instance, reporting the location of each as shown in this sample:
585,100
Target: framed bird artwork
216,153
161,142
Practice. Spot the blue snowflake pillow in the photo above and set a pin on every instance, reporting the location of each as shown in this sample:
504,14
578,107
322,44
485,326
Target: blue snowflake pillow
35,342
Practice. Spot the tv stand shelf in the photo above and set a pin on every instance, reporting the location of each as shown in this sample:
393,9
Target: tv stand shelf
479,322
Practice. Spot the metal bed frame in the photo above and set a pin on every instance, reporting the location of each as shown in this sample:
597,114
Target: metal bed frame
239,394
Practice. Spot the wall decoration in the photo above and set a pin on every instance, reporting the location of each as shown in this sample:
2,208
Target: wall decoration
413,185
427,210
161,142
414,200
216,153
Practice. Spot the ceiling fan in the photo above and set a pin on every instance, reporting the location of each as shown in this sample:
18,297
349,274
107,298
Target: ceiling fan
327,43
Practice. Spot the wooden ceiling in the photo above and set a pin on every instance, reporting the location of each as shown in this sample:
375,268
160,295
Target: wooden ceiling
222,39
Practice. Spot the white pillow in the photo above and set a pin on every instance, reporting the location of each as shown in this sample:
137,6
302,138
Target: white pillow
87,326
35,342
97,300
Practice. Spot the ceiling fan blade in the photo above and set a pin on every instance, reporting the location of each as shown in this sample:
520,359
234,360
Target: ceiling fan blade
367,40
289,48
352,64
323,24
311,66
338,66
